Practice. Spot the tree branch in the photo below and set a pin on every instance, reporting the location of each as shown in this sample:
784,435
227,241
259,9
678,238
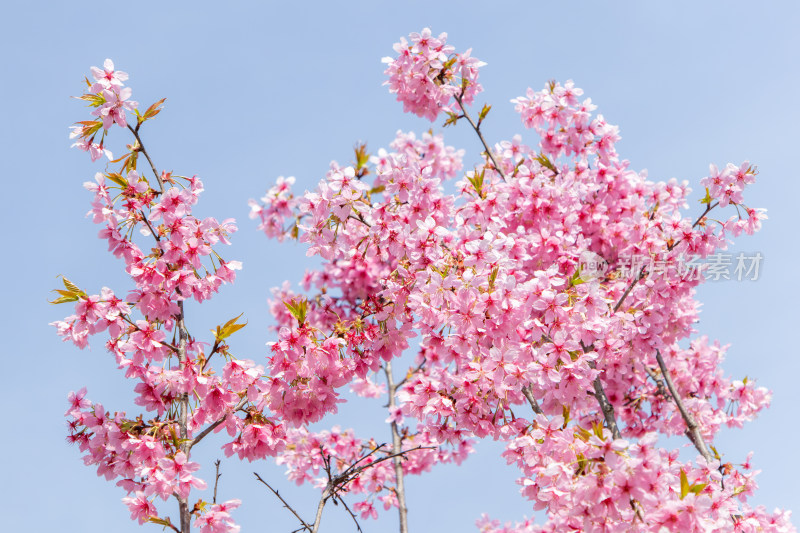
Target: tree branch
183,416
322,501
605,405
147,156
692,428
203,434
528,393
397,450
285,503
352,515
216,479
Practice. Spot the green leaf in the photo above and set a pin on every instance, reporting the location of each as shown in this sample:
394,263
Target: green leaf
716,453
707,198
64,299
483,113
70,286
493,277
697,488
153,110
160,521
118,179
545,162
298,309
452,118
229,328
477,181
72,294
684,484
362,157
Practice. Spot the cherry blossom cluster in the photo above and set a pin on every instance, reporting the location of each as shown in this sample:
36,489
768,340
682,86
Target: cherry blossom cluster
576,374
111,99
183,395
428,73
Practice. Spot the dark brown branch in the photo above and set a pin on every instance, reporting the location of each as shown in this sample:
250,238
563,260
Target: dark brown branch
692,428
633,283
362,458
606,406
352,514
203,434
528,393
150,227
216,479
285,503
662,390
348,475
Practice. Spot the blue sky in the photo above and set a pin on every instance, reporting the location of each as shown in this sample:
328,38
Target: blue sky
259,90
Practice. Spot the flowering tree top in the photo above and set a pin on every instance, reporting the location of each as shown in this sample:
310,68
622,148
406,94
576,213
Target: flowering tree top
534,326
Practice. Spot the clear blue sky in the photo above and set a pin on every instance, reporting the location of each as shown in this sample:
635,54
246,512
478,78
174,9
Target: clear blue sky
258,90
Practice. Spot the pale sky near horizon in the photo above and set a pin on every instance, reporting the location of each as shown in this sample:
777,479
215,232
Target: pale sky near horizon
259,90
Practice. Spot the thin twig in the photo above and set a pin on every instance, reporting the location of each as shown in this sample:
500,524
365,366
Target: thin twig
480,136
147,156
671,247
150,227
419,367
216,479
636,280
362,458
360,469
203,434
285,503
658,381
171,525
352,514
692,428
